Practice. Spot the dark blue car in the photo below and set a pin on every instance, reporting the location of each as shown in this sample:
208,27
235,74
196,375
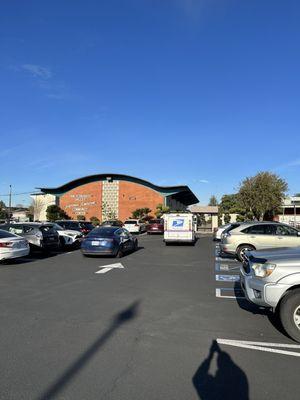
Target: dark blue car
109,240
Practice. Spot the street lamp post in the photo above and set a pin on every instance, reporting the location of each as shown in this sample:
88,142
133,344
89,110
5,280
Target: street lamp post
9,204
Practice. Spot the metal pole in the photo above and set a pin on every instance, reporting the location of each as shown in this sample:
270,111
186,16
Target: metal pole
9,204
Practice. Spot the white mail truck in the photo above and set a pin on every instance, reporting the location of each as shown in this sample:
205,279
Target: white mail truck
180,228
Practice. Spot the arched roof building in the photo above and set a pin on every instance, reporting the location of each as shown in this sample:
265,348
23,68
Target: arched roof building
118,195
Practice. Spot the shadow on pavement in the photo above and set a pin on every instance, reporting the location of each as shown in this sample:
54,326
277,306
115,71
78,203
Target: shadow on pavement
56,387
254,309
229,382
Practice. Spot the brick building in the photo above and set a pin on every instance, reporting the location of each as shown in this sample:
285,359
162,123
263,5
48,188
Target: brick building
116,195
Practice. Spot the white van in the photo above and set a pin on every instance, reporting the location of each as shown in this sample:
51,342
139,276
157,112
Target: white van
180,227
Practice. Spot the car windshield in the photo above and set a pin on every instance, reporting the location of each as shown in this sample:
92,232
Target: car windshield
5,234
155,221
130,222
47,228
57,227
102,232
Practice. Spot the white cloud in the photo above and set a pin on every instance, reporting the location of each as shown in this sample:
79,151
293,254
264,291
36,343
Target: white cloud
38,71
293,163
203,181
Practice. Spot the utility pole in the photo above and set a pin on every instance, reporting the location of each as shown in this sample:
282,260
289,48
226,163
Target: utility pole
9,204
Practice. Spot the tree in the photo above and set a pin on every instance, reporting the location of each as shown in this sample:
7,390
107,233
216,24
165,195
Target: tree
141,213
262,194
213,201
54,212
38,205
3,210
95,221
161,209
80,218
227,218
30,213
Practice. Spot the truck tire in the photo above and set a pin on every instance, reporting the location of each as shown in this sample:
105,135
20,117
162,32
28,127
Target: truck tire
289,314
241,250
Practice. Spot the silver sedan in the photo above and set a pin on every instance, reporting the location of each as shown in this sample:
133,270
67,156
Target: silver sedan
12,246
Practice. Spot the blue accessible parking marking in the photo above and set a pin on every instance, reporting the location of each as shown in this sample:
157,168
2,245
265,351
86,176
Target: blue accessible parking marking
228,278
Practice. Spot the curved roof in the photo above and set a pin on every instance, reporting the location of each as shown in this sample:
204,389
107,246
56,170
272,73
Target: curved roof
181,193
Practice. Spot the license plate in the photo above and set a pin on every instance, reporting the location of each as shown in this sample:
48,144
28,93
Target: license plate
95,243
51,238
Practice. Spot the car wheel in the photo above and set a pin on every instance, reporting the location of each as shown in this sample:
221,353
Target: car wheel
62,242
289,314
120,253
240,253
136,245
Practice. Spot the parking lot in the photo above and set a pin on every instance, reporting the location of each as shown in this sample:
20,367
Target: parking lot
160,323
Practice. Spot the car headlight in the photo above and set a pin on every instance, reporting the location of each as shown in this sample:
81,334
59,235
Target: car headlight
263,270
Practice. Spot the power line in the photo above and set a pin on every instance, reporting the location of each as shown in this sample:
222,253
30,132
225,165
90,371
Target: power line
18,194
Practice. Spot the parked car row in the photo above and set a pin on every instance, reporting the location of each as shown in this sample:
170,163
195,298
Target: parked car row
270,270
19,239
239,238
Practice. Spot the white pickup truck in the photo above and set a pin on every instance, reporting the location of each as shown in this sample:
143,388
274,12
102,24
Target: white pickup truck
271,278
180,228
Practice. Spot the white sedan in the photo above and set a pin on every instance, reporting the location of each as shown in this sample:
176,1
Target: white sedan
12,246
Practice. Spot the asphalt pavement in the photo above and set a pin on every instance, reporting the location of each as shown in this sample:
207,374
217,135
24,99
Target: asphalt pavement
168,323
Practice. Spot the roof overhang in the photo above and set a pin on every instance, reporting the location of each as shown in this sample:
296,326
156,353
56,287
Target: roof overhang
181,193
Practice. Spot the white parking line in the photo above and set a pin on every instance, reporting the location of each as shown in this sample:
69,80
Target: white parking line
262,346
220,295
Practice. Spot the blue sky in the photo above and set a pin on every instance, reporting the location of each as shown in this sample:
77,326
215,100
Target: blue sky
197,92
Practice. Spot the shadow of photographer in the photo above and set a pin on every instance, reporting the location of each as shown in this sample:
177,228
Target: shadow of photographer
229,381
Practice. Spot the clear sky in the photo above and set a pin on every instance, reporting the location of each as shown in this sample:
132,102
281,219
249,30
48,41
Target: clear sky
197,92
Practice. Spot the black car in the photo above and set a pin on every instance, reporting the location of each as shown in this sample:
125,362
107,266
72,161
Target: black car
108,240
41,236
112,222
82,226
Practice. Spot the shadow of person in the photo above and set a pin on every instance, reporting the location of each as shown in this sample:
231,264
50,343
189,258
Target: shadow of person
123,317
229,381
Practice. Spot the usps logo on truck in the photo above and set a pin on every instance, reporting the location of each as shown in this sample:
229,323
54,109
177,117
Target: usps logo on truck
177,223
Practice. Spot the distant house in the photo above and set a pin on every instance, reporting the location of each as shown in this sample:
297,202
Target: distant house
290,211
20,214
207,217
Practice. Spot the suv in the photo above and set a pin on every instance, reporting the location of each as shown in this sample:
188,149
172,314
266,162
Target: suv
135,225
67,237
40,236
258,236
81,226
272,279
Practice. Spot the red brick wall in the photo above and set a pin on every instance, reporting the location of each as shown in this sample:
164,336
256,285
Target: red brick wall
133,196
84,200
